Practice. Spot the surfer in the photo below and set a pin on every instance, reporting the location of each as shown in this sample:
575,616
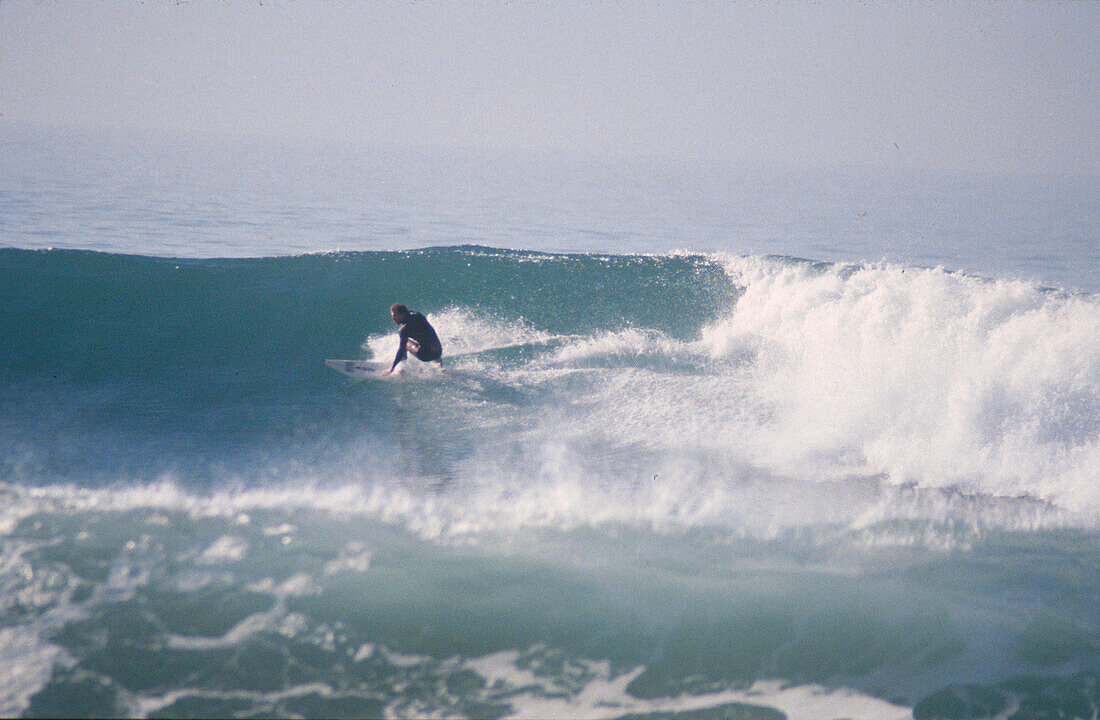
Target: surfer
416,336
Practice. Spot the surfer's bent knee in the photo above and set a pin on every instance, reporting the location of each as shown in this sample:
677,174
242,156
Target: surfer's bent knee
429,353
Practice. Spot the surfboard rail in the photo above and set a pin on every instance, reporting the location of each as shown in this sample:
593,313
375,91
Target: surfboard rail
359,369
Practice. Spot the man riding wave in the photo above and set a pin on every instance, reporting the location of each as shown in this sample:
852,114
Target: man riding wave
416,336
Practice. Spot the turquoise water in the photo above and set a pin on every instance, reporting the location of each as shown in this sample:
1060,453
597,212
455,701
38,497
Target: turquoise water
708,483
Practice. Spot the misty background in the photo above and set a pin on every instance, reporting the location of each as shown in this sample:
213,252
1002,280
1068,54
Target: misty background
986,87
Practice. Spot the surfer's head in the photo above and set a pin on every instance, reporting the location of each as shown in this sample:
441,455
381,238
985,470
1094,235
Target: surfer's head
399,313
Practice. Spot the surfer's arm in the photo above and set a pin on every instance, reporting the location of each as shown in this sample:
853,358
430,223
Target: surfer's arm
402,352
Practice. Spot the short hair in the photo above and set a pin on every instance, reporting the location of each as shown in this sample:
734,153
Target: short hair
399,309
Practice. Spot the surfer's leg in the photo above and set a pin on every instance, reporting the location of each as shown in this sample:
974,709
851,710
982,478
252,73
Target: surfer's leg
430,353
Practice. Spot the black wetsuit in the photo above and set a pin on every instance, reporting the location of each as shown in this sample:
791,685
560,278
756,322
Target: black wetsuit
417,328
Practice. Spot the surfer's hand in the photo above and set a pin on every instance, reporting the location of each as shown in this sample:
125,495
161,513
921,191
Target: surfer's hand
387,372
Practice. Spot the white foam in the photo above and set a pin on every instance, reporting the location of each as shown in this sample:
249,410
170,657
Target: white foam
246,628
227,548
146,705
557,491
589,690
628,342
603,694
403,660
924,375
820,378
276,617
355,558
28,665
28,658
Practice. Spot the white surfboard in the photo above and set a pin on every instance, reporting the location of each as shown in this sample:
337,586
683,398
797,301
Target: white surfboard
360,369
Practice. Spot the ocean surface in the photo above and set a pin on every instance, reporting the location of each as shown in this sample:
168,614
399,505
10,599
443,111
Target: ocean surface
708,441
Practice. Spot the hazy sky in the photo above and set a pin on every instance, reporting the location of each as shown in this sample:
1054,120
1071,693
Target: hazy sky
999,86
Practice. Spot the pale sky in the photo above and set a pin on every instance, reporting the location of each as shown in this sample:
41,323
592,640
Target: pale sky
945,86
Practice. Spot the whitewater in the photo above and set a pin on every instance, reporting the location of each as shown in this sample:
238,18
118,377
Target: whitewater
752,443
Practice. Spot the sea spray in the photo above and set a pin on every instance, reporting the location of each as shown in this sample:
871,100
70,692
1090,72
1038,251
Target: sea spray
926,376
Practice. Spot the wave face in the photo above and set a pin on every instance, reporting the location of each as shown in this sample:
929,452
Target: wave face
801,472
133,368
602,370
